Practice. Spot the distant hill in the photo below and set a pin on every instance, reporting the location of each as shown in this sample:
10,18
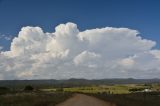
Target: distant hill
74,82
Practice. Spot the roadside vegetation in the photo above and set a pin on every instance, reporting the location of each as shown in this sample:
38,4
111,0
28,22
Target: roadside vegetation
31,97
132,99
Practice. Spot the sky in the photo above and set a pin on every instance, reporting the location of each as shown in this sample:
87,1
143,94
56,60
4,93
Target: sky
59,39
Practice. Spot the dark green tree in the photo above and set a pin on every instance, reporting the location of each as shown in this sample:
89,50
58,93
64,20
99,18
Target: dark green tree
28,88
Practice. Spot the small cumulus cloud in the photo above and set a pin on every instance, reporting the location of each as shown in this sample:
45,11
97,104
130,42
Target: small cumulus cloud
1,47
6,37
71,53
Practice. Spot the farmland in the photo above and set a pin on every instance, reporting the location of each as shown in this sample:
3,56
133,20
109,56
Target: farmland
111,89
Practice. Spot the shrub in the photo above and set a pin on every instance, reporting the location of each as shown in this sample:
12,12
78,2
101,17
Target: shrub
28,88
59,90
4,90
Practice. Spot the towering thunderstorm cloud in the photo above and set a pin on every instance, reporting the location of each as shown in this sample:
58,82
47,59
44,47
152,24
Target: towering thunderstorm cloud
69,53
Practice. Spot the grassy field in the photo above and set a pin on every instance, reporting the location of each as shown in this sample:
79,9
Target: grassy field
110,89
116,89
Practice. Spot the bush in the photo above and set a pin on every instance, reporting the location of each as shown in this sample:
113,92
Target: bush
4,90
59,90
136,89
28,88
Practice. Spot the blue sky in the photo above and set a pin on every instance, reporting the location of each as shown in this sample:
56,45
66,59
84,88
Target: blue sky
142,15
91,39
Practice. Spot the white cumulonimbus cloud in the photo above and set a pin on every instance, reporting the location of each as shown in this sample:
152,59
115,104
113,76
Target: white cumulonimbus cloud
69,53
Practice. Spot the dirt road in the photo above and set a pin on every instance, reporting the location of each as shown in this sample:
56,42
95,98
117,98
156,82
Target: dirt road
84,100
